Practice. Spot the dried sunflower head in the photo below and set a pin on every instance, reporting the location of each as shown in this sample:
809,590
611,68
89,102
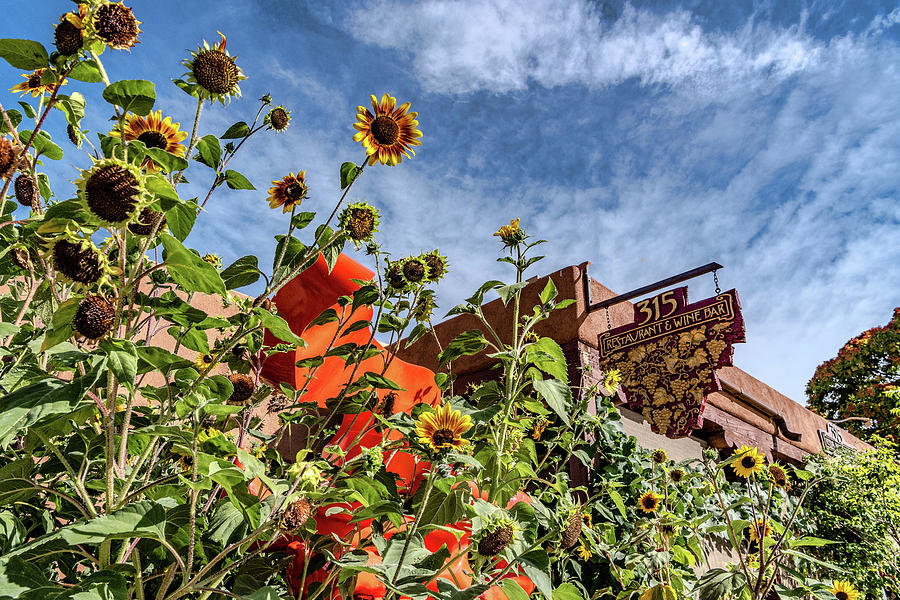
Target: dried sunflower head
112,191
94,318
115,24
69,34
278,118
360,222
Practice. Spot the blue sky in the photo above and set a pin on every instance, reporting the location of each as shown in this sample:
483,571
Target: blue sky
646,137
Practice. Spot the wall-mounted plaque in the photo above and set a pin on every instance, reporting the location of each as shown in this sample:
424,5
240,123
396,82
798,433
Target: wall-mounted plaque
833,440
669,355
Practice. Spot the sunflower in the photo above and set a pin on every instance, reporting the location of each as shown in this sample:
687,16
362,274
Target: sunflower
443,429
659,456
112,191
511,234
278,118
437,265
649,502
204,362
388,133
360,222
844,590
779,476
676,475
154,132
34,84
214,72
762,528
539,426
611,380
750,461
584,553
69,34
289,192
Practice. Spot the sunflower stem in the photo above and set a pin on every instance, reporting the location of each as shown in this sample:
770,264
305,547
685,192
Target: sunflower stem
177,178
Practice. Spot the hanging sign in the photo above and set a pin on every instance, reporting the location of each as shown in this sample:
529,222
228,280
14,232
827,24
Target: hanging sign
669,355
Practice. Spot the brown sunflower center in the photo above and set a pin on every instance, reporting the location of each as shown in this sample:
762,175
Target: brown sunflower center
748,462
112,192
443,437
841,596
35,80
650,503
215,71
361,223
414,271
395,276
279,119
385,130
117,26
77,263
154,139
294,191
435,265
68,37
207,359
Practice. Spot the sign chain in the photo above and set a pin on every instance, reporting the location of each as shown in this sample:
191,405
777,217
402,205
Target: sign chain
716,280
608,322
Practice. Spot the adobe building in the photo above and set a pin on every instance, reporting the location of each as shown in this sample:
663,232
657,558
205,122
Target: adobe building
744,411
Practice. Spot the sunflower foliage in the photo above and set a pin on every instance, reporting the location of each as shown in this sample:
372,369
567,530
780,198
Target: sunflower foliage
858,507
133,458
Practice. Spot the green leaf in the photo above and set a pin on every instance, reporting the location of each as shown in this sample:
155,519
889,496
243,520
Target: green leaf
161,188
243,271
61,325
180,218
513,590
466,343
159,359
28,109
122,359
549,292
617,500
379,381
349,172
15,117
238,130
209,152
167,160
72,106
810,541
43,144
236,181
536,565
547,355
190,271
557,395
508,292
86,71
135,95
30,404
566,591
278,327
23,54
303,219
145,519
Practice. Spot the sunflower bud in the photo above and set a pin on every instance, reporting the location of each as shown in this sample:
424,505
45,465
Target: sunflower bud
26,190
374,459
115,24
213,259
424,307
243,388
94,317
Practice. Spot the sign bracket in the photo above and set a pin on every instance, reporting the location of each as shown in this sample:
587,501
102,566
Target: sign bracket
668,281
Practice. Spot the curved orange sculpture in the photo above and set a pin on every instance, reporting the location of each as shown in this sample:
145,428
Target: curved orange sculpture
300,302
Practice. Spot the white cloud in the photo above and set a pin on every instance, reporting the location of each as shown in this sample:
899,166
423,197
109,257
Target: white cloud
461,47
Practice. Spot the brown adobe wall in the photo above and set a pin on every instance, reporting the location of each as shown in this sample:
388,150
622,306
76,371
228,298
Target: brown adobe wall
746,411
